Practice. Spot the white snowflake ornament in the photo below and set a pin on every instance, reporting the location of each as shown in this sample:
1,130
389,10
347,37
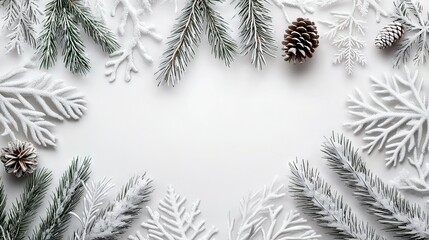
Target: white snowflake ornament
174,222
25,104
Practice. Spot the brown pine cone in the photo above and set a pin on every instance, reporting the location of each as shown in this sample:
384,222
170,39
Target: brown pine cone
19,158
300,41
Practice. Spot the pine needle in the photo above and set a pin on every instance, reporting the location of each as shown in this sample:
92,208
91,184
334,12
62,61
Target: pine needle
404,219
183,40
3,199
256,30
120,213
327,208
24,209
64,200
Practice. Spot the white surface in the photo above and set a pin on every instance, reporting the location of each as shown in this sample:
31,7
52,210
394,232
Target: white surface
220,133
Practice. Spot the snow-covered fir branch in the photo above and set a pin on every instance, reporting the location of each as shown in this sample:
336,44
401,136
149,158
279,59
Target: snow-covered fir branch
260,218
327,208
23,211
174,222
54,99
416,22
131,12
256,30
21,19
119,214
93,200
399,216
395,117
63,201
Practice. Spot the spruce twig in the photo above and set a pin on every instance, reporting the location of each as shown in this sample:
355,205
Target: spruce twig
406,220
120,213
317,198
183,40
63,18
256,30
22,212
64,200
3,199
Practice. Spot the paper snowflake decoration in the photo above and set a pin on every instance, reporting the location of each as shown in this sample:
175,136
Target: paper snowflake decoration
395,117
25,104
133,13
347,33
416,22
174,222
260,218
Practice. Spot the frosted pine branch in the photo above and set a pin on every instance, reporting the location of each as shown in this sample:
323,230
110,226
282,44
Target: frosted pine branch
93,200
392,209
3,199
53,98
21,19
22,213
410,14
306,6
256,30
407,181
174,222
317,198
63,201
394,118
260,218
4,234
140,30
119,214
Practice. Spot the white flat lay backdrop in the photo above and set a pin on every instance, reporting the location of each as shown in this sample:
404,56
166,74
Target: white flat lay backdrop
220,133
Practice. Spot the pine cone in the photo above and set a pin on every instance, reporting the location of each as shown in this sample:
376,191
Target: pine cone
19,158
389,35
300,41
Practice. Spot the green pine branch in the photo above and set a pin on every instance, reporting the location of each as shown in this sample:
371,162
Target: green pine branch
183,40
327,207
256,30
218,33
64,200
3,199
406,220
62,25
24,209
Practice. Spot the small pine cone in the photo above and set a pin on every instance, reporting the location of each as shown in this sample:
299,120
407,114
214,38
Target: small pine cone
389,35
300,41
19,158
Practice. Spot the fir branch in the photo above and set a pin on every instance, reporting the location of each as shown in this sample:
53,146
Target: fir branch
22,212
218,33
384,201
3,199
64,200
317,198
119,214
4,234
63,18
183,40
256,30
95,194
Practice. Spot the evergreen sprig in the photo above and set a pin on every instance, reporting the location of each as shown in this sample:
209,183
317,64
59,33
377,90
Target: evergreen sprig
3,199
392,209
120,213
256,30
61,26
21,215
317,198
64,200
186,37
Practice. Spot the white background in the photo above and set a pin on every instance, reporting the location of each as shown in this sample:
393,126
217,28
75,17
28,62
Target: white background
220,133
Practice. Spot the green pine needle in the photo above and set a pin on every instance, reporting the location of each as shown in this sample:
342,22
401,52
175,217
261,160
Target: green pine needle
3,199
48,36
64,200
218,33
22,212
